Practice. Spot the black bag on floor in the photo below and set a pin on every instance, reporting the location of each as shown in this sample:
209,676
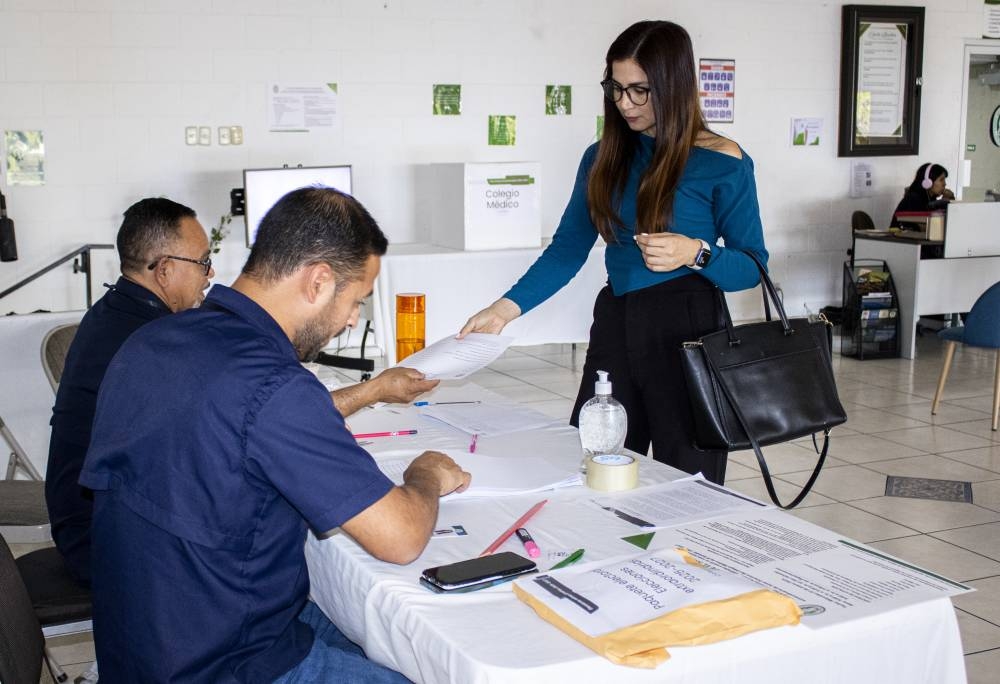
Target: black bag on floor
763,383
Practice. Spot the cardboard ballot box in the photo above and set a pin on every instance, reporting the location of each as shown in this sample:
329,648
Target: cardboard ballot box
477,206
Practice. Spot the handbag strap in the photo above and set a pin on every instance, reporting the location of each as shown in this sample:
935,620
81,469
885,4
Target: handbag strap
769,293
765,471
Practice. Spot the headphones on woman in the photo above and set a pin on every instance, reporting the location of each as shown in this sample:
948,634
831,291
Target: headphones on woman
926,183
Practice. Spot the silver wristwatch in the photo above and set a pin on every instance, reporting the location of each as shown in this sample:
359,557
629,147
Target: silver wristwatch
703,256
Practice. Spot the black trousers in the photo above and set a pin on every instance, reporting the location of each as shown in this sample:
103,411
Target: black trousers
636,338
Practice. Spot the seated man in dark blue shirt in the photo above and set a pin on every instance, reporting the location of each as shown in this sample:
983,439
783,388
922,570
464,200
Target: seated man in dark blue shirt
213,449
165,267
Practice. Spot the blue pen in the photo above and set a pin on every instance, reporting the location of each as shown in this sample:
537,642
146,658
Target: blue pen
441,403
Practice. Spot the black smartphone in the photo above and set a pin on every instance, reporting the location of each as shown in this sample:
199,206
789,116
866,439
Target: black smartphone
477,573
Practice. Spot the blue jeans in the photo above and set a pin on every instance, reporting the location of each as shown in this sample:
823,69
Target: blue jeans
335,658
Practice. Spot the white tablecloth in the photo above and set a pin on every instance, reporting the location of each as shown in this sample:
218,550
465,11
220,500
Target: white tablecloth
458,284
490,636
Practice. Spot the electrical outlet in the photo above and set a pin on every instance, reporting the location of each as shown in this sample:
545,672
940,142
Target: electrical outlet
204,135
223,135
191,135
236,135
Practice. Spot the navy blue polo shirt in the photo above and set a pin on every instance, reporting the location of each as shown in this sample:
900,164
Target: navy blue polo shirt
212,450
125,308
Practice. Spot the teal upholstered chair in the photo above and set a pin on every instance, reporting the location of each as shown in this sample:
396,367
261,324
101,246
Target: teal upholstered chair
981,329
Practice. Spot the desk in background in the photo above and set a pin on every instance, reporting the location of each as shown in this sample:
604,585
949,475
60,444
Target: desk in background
927,286
458,284
490,636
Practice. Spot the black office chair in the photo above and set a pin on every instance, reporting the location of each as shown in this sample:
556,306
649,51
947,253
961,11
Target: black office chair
860,220
22,645
59,604
366,366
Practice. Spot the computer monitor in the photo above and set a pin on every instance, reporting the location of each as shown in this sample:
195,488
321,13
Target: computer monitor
264,187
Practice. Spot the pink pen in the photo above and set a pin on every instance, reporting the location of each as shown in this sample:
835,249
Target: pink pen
529,544
472,446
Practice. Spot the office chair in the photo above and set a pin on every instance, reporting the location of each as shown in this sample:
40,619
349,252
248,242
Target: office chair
60,605
860,220
366,366
55,346
981,329
24,518
22,645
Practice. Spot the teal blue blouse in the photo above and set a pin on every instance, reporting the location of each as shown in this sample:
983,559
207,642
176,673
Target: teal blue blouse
716,198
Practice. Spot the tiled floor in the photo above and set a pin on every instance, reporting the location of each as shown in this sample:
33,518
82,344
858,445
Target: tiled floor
889,432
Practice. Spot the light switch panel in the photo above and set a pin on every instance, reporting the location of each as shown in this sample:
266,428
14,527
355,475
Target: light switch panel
236,135
204,135
191,135
223,135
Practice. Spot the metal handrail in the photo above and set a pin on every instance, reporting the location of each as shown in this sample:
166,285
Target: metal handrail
81,266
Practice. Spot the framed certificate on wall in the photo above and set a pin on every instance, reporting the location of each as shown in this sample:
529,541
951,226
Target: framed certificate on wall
881,63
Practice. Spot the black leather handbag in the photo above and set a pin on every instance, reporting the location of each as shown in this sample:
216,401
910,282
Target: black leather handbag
763,383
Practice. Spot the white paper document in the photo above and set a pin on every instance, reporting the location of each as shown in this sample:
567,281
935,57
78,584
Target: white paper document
488,419
833,579
452,359
621,593
494,475
674,503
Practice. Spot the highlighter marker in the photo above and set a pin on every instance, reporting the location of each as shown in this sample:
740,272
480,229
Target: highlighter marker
529,544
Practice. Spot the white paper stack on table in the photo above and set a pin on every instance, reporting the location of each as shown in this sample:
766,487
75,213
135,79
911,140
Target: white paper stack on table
491,475
453,359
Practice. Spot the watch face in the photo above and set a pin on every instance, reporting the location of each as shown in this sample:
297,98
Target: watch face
704,256
995,127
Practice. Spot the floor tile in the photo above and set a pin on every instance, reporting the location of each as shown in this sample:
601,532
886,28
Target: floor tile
984,602
525,393
557,408
867,420
983,539
935,439
786,491
941,557
947,412
72,648
932,466
780,458
925,515
977,634
987,494
982,667
852,522
867,448
843,483
984,457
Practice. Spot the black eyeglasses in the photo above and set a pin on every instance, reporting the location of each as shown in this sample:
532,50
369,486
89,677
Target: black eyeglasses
613,91
206,263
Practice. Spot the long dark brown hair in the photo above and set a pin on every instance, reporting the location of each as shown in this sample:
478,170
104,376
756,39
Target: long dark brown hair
663,50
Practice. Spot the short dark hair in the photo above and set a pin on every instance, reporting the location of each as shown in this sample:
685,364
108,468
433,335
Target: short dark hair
310,226
149,226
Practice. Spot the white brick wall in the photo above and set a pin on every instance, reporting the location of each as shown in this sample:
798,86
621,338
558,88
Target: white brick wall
113,83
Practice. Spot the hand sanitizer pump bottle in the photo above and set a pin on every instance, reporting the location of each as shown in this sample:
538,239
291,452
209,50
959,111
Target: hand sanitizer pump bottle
603,422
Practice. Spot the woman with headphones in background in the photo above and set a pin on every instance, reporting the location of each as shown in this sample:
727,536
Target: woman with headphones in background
927,192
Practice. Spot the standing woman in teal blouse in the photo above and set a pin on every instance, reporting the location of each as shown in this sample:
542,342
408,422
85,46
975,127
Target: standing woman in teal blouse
660,189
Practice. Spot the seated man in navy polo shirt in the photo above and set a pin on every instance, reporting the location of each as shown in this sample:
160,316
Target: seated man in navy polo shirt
213,450
166,266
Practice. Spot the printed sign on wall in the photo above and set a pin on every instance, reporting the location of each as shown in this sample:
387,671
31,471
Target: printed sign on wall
717,89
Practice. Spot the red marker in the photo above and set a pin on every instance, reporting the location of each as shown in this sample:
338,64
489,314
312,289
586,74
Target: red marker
394,433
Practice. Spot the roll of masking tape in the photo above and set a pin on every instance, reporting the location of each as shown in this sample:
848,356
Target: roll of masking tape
612,472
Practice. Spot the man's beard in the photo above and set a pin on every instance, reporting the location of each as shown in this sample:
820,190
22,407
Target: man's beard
310,339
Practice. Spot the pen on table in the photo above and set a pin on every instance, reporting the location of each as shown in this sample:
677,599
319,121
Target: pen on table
529,544
442,403
393,433
510,530
568,560
472,445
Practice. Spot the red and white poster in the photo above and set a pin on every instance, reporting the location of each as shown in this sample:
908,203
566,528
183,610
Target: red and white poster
717,89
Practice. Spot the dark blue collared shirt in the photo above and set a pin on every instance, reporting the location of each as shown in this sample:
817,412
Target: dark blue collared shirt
125,308
212,450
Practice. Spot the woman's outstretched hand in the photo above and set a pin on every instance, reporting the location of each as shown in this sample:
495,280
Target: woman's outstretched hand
492,319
